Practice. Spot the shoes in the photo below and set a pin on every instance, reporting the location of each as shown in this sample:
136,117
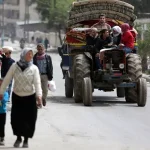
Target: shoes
25,145
2,143
17,143
44,102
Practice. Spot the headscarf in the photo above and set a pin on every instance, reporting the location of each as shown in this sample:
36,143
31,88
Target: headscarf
125,27
22,63
116,30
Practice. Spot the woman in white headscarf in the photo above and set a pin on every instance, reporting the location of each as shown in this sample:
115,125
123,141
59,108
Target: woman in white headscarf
26,90
116,33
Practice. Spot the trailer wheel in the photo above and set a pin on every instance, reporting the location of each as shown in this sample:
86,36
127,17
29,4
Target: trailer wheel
120,92
68,86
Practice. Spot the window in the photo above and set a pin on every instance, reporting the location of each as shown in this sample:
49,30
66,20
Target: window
12,2
12,14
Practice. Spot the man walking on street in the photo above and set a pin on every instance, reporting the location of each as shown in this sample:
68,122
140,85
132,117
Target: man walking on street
44,63
46,44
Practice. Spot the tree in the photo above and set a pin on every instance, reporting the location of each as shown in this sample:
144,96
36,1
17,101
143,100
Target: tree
141,6
144,48
54,12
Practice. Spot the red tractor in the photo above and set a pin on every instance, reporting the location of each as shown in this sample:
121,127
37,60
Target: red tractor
119,71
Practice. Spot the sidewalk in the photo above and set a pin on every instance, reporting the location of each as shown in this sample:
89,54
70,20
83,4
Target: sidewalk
147,77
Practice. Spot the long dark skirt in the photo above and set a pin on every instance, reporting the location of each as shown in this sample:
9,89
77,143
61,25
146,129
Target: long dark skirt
23,115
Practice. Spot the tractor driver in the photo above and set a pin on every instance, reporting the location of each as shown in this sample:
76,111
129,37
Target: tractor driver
104,41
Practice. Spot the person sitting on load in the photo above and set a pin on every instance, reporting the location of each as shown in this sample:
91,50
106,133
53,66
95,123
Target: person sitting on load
104,41
134,33
127,39
102,24
91,36
116,34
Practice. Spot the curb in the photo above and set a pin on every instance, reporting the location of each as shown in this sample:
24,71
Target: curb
147,77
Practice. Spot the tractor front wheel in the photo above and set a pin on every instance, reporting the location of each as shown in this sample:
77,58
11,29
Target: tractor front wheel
142,92
87,91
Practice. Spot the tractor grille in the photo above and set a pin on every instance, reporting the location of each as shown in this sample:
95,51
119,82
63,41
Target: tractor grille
115,57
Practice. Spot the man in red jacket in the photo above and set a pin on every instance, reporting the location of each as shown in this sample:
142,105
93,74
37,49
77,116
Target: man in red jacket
127,39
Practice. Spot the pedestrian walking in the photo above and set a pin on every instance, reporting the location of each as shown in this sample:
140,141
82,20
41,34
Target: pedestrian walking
32,39
22,43
3,110
44,63
46,44
7,61
26,89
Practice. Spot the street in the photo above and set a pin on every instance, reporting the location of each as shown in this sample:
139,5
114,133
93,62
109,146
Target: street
110,124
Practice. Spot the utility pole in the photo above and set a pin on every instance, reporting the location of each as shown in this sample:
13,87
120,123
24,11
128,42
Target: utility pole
26,21
3,31
25,15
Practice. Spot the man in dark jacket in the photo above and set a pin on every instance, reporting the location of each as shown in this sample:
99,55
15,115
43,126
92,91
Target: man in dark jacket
44,63
7,61
104,40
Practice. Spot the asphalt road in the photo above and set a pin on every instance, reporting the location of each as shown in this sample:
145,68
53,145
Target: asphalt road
110,124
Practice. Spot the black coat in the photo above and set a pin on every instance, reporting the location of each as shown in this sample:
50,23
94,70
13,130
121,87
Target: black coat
100,43
49,65
90,40
6,64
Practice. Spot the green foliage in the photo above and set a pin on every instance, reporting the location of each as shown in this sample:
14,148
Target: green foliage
144,46
147,72
141,6
55,12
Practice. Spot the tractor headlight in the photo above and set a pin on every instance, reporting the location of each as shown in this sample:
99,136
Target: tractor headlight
121,66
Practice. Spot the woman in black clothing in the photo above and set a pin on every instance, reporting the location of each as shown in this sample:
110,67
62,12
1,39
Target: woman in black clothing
26,91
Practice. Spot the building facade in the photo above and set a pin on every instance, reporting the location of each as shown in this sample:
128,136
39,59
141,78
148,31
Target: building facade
13,11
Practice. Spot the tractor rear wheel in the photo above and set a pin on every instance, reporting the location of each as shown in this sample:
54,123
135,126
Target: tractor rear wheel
81,69
134,70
